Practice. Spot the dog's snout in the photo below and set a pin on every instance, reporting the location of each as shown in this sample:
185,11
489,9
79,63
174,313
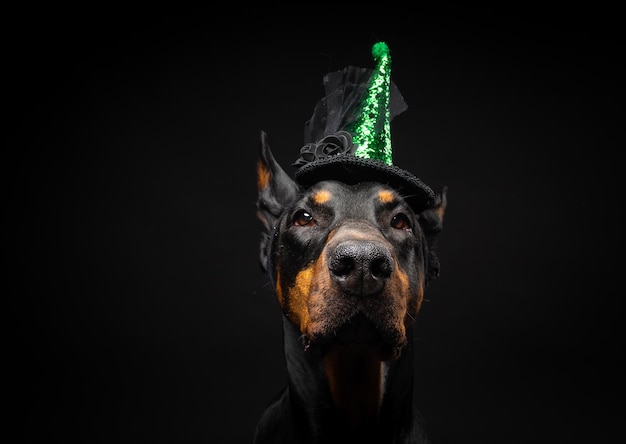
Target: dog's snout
360,268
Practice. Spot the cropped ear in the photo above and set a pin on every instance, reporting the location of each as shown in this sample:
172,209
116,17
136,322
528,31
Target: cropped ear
276,190
431,221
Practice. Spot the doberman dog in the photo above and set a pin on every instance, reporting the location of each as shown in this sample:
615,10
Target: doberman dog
349,264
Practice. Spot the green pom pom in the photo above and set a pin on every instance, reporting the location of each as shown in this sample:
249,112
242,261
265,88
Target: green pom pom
379,50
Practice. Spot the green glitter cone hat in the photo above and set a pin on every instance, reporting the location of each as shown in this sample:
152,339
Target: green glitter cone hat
348,137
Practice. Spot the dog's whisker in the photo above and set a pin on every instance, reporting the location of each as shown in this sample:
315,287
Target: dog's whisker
306,341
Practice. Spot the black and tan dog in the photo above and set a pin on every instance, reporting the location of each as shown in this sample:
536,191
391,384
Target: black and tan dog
349,263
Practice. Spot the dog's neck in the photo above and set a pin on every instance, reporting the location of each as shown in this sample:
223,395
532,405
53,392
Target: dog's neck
348,388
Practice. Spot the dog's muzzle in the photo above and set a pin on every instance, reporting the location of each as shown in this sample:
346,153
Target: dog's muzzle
359,267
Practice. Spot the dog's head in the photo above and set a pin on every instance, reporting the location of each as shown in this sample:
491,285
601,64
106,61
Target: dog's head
349,262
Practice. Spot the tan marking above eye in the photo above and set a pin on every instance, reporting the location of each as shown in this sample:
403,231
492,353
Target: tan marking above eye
385,196
322,196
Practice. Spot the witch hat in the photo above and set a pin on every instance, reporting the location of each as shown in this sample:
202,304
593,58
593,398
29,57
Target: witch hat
348,137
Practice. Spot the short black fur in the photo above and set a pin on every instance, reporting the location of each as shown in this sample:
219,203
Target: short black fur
344,324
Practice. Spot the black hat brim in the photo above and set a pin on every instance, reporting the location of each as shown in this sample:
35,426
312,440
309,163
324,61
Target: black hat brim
351,169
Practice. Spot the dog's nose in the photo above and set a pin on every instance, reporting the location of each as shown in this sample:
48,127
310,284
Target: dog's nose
360,268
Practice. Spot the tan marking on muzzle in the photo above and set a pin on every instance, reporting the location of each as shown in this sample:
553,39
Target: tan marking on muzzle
415,304
399,285
321,293
420,297
279,288
298,299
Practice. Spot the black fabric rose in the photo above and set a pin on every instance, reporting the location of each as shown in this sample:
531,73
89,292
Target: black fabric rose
331,145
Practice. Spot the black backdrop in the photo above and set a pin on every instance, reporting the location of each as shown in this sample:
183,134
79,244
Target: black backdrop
136,308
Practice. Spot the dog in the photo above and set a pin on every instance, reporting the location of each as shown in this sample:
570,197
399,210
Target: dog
349,263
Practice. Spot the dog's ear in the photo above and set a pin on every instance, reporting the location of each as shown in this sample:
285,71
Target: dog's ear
276,190
431,221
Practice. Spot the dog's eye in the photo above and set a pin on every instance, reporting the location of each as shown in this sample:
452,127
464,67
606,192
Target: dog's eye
302,218
401,222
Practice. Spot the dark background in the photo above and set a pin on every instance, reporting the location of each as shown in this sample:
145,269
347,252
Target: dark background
136,308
